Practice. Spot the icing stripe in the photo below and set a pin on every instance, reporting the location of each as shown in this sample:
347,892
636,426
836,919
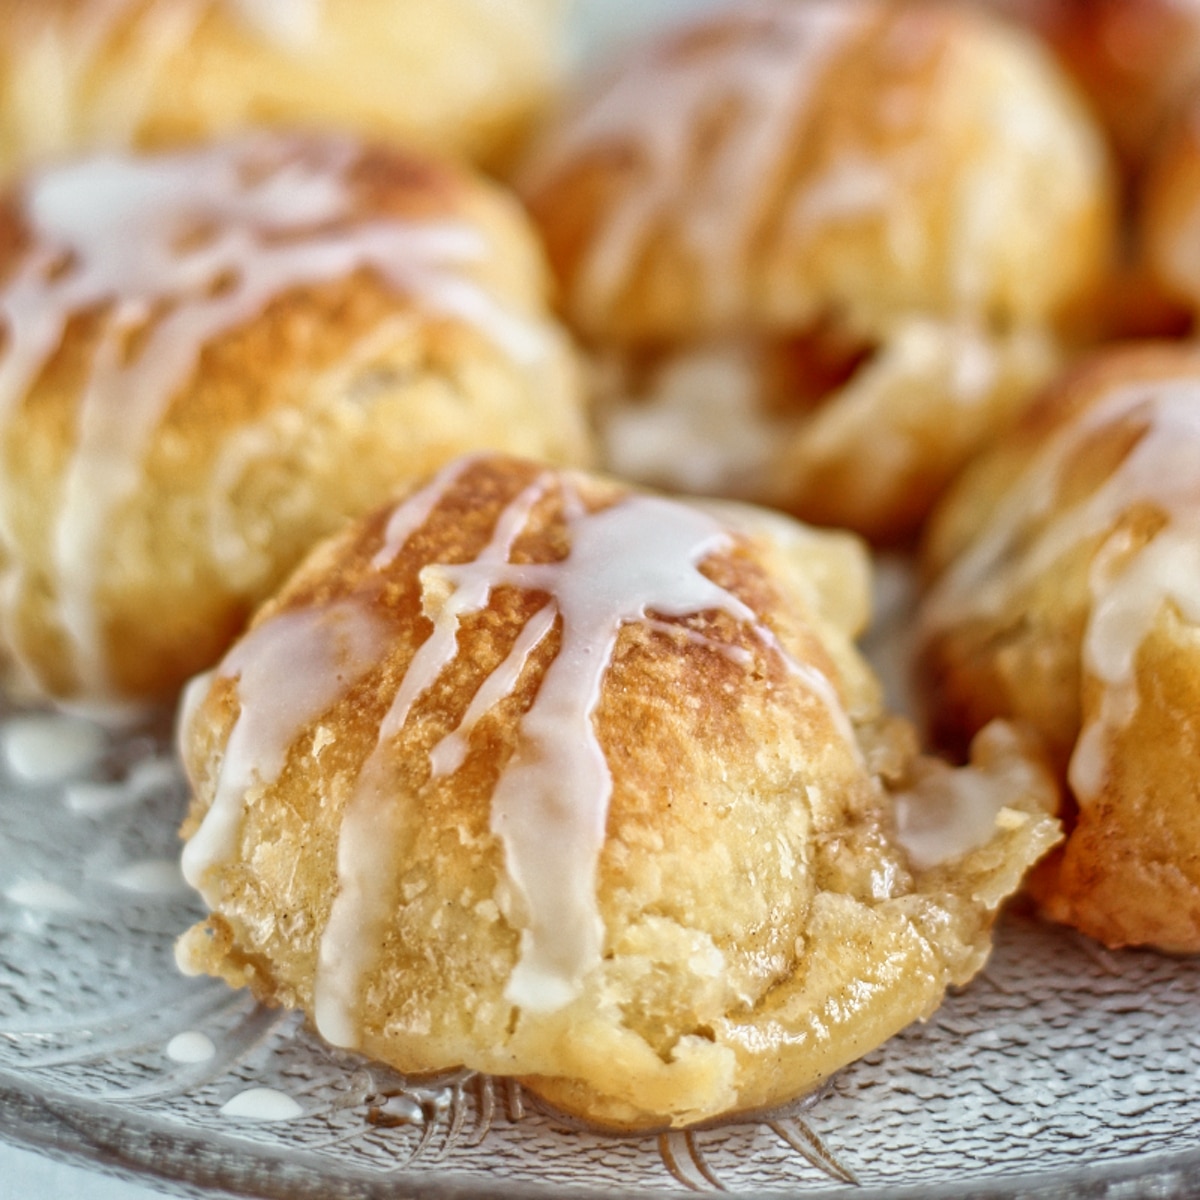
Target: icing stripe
1027,536
637,561
179,250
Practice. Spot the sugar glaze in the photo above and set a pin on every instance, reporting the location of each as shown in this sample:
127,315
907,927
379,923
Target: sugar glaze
659,106
636,561
1129,587
177,250
640,556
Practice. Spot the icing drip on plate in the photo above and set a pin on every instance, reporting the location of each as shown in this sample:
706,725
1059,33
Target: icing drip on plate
176,251
1129,585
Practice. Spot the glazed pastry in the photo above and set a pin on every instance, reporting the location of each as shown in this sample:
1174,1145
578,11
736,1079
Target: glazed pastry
543,777
459,76
1171,222
1137,60
1066,593
823,248
209,359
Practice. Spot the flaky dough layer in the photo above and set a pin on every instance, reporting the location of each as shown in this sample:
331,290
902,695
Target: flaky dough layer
211,358
458,76
1066,593
590,788
887,213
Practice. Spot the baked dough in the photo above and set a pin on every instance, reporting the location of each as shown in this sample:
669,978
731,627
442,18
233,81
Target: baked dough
1066,568
210,358
1137,60
539,776
456,76
852,229
1171,218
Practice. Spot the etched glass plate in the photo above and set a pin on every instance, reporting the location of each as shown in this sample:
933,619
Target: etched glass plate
1062,1070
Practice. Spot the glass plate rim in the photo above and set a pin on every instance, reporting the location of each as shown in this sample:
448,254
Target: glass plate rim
154,1152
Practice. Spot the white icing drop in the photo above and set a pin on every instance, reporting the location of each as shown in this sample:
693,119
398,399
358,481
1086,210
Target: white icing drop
178,250
549,808
50,748
152,877
659,104
190,1047
289,671
146,777
261,1104
1129,587
954,812
44,895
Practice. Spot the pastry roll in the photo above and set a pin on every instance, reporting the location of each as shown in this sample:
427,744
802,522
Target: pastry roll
822,248
458,76
1066,593
548,778
210,358
1171,219
1136,60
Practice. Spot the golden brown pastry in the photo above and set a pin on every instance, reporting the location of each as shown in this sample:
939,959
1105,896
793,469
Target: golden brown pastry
1137,60
210,358
823,247
1171,220
540,776
454,75
1066,593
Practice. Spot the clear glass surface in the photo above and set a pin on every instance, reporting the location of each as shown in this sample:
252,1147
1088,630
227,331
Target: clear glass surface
1062,1070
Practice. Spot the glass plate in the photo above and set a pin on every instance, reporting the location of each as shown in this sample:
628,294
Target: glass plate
1062,1071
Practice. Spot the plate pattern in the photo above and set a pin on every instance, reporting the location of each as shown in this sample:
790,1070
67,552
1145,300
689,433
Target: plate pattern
1063,1070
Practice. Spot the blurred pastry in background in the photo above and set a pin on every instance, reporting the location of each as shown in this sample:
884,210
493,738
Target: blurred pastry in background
1171,213
1138,64
543,777
1065,570
210,358
1138,61
456,76
823,251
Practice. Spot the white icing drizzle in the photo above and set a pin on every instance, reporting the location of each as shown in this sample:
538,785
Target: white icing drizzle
1128,587
287,24
183,248
359,915
451,752
62,60
953,811
660,103
412,513
289,671
639,557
